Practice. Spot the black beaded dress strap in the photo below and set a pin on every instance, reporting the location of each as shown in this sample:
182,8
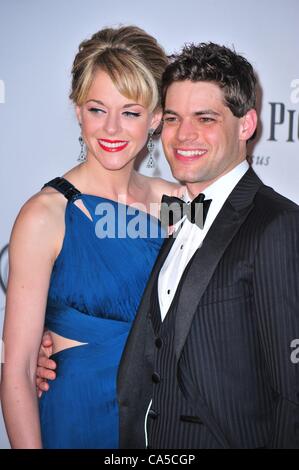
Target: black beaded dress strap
65,187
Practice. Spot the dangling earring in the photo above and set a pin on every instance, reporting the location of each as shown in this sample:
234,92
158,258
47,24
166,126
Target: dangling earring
150,148
82,156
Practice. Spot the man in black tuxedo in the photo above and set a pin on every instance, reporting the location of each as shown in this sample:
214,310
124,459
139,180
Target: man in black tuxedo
210,361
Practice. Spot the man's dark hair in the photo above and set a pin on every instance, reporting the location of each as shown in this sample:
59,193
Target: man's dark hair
211,62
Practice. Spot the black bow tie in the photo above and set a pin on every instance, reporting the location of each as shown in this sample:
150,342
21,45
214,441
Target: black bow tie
173,209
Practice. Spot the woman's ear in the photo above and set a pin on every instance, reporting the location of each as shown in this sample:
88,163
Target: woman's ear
248,125
79,114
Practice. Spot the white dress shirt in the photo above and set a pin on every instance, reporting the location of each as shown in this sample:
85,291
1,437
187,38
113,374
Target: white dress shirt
190,237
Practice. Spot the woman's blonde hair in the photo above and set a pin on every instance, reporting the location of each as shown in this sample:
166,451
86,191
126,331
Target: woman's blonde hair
132,58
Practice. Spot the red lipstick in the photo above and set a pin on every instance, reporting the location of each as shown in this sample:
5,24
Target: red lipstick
112,145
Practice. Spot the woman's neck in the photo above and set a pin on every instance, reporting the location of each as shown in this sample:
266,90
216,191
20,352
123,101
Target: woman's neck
94,179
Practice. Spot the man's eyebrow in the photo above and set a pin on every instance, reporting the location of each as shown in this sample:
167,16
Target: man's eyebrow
169,111
211,112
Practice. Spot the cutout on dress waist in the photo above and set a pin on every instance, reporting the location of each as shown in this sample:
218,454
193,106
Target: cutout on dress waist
60,343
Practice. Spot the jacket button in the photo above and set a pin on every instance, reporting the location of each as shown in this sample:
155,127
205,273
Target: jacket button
153,414
156,378
158,342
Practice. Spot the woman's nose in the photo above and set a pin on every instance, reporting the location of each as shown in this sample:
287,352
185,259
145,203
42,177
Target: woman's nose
112,124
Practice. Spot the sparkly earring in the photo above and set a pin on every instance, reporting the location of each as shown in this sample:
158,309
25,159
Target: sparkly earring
150,148
82,156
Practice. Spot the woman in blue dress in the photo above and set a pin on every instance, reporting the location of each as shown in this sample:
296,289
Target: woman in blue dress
82,250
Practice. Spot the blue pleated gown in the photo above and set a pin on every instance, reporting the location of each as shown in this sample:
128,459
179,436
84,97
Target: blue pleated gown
95,289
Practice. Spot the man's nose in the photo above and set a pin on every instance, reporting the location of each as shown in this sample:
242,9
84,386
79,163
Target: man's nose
186,131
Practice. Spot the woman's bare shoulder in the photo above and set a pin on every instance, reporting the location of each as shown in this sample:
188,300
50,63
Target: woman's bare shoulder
43,206
41,219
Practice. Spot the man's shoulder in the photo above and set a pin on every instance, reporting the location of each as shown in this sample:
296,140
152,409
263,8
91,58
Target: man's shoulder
273,212
270,200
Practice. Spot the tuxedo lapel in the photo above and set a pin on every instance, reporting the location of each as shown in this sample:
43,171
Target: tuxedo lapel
207,257
140,333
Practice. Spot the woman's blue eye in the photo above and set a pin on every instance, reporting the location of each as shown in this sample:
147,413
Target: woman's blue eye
131,114
96,110
125,113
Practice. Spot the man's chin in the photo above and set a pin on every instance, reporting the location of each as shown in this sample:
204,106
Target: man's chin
186,176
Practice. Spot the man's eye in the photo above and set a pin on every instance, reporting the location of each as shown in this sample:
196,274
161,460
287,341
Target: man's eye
169,119
206,119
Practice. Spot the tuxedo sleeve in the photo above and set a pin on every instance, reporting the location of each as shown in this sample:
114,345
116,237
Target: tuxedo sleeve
276,297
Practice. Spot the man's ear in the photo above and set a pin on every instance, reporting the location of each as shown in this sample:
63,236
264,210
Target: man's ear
156,119
248,125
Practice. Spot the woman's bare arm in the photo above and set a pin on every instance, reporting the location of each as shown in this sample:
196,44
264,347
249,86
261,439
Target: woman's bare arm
32,251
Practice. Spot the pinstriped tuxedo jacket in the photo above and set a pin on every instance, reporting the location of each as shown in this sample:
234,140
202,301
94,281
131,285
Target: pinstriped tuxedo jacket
237,317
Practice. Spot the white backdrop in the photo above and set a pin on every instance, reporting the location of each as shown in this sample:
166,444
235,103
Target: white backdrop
39,38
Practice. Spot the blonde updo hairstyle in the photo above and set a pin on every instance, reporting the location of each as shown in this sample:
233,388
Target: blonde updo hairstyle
132,58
